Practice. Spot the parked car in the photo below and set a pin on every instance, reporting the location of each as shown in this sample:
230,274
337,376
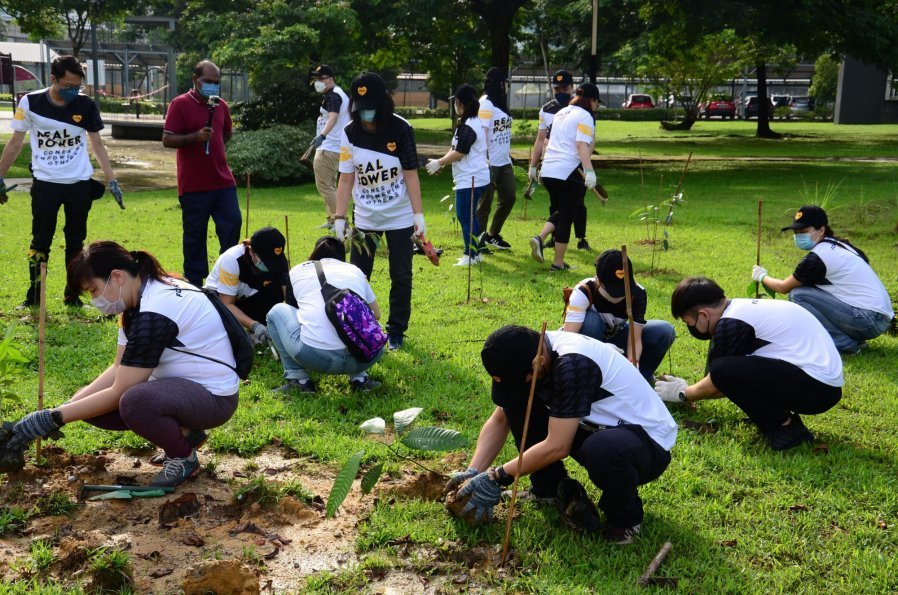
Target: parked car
718,105
802,105
639,101
751,107
781,100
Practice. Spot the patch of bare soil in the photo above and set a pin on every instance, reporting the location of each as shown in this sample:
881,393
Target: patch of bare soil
142,165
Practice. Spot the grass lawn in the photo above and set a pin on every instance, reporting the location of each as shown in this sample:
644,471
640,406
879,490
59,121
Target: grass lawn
741,518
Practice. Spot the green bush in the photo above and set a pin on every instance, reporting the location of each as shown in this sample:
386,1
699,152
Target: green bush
5,96
271,155
411,111
110,105
637,115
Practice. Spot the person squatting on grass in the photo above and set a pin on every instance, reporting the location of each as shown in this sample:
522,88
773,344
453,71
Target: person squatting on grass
160,385
58,120
305,337
590,403
251,278
567,171
328,128
834,282
597,309
379,170
496,119
771,358
470,170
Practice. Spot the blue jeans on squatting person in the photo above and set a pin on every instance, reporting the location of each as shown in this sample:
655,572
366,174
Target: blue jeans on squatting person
196,208
298,358
657,337
847,325
464,205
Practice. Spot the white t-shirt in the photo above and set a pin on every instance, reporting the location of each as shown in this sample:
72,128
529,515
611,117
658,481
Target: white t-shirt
168,316
498,127
777,329
608,390
225,275
470,139
317,330
334,100
837,269
571,125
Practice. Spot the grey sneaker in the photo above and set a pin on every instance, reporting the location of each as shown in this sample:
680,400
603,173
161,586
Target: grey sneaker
195,438
297,386
620,535
368,384
177,471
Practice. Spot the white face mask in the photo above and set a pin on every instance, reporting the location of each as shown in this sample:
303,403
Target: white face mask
608,297
105,306
320,86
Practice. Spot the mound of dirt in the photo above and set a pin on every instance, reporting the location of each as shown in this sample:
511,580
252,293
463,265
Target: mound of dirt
223,577
421,486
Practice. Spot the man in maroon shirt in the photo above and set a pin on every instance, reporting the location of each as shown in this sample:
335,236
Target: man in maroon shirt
198,124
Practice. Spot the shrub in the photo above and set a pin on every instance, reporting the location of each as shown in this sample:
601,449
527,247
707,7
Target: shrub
271,155
110,105
5,96
637,115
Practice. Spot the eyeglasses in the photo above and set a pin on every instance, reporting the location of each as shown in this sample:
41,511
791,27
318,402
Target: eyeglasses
70,87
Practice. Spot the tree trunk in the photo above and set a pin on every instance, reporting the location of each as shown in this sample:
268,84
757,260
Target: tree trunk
764,114
498,16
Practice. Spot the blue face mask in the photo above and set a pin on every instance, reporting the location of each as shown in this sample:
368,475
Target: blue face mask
803,241
563,98
367,115
69,95
260,265
210,89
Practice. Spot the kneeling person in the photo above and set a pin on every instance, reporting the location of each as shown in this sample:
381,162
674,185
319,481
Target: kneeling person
771,358
590,403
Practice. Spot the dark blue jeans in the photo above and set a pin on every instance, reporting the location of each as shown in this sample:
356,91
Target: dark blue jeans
465,204
657,337
196,208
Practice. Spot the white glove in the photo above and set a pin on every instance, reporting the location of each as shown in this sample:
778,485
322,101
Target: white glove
259,333
418,218
758,273
671,389
433,166
533,174
340,229
590,179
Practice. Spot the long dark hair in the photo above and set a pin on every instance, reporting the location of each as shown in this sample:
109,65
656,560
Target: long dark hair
829,233
495,92
578,99
467,97
99,259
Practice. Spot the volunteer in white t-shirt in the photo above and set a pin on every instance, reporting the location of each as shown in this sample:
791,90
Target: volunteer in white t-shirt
590,403
328,130
379,171
769,357
496,119
834,282
567,170
305,337
174,370
470,169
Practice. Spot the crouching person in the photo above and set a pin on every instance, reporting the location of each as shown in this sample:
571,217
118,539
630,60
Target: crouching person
174,371
305,338
590,403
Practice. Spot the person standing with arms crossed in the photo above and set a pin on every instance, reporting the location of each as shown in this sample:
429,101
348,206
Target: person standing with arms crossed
333,119
206,186
58,119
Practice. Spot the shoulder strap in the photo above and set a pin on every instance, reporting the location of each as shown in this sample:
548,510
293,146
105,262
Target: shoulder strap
588,291
211,359
319,270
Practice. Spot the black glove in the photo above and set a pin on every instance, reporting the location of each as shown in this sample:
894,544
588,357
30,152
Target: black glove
116,191
319,140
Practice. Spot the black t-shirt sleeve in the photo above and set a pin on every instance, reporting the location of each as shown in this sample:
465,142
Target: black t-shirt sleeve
93,121
811,270
408,150
332,102
148,333
465,137
576,383
734,337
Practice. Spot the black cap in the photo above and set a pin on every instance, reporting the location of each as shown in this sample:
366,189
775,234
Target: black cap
466,94
507,355
496,75
589,90
610,272
562,78
322,70
808,216
268,244
367,90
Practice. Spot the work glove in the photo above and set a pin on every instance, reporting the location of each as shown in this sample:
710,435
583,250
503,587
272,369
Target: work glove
3,196
458,478
418,218
433,166
590,179
533,174
671,389
340,229
260,333
15,438
318,140
116,191
758,273
485,494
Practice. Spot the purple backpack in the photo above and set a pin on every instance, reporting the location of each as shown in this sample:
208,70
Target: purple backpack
352,319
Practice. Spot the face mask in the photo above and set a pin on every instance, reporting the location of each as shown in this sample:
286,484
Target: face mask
563,98
210,89
803,241
105,306
69,95
608,296
701,336
367,115
260,265
320,86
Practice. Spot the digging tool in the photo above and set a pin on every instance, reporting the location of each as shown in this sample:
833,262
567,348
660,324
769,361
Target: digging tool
128,494
628,297
41,342
537,364
599,190
119,488
308,153
427,248
646,578
758,255
247,206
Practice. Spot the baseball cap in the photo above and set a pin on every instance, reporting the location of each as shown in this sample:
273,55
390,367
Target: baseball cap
610,272
268,244
367,91
496,75
589,90
808,216
562,78
507,355
322,70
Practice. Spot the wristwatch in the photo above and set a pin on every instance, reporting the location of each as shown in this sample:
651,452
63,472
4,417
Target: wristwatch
682,396
499,475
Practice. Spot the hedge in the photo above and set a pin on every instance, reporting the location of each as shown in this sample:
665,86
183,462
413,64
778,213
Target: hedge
109,105
271,155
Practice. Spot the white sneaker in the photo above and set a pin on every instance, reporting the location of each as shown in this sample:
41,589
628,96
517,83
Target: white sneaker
467,260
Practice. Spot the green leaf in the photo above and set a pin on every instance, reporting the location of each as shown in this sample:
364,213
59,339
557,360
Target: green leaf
750,289
403,419
431,438
343,483
638,212
665,244
370,478
375,425
770,292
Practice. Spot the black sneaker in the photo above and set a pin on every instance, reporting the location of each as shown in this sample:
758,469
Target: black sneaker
177,471
786,437
368,384
584,245
27,305
195,438
577,510
563,267
549,243
620,535
498,243
536,248
394,342
296,386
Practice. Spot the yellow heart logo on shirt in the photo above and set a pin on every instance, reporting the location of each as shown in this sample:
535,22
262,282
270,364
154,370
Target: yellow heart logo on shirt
391,146
77,118
497,379
799,215
362,91
266,283
317,69
277,251
619,273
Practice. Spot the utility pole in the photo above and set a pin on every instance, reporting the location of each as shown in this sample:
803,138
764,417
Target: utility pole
593,59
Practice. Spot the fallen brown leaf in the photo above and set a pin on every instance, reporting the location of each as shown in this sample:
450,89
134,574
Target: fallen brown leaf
797,507
160,572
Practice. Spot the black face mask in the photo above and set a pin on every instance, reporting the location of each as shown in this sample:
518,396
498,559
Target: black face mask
701,336
563,98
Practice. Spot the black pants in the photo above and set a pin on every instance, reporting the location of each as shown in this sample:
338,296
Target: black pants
196,209
768,390
566,207
399,244
46,199
257,305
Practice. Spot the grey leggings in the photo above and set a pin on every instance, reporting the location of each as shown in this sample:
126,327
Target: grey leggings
157,409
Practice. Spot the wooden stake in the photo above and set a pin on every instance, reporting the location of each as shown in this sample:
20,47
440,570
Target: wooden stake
470,240
758,256
654,564
41,345
287,236
514,488
247,206
628,298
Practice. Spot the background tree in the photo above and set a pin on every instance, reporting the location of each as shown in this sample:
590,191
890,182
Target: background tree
825,79
48,18
499,18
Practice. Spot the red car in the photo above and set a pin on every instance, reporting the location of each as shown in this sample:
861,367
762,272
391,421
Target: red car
639,101
719,105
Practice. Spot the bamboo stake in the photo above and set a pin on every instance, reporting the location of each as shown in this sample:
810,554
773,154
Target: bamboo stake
628,298
41,342
470,241
654,564
758,256
247,206
287,236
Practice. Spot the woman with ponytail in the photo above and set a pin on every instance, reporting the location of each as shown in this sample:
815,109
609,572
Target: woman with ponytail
173,375
834,282
496,119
